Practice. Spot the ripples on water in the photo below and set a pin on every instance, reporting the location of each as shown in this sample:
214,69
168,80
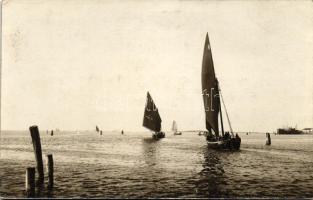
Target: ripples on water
134,165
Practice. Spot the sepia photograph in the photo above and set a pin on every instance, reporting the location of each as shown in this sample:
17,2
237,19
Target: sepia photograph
156,99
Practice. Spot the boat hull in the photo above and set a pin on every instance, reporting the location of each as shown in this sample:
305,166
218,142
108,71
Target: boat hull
232,144
158,135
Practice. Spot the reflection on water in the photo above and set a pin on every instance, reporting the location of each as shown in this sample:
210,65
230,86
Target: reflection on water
150,151
135,165
211,176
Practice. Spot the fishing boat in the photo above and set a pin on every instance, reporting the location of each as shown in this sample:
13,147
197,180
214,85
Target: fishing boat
212,96
174,128
152,119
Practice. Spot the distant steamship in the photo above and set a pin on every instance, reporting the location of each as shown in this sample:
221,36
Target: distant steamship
288,131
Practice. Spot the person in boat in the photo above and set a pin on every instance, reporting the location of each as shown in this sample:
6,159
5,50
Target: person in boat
211,137
227,135
237,137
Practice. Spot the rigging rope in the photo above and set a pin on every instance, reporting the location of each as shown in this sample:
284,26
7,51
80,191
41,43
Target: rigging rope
231,130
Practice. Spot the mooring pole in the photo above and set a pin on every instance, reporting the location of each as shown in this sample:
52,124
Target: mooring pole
30,181
37,150
50,170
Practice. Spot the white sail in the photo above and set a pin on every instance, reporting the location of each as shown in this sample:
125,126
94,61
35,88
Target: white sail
174,127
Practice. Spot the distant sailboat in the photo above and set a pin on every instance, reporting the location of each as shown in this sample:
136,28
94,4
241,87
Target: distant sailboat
97,129
174,128
152,119
212,105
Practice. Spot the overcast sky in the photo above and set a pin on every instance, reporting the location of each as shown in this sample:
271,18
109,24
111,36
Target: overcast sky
76,64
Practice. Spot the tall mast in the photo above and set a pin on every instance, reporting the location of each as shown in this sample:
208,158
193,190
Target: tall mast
222,126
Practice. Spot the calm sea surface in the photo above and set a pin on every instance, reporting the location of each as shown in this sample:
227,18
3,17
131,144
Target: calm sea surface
133,165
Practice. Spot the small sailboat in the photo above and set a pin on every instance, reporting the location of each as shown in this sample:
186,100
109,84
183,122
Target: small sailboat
212,105
152,119
122,132
174,128
97,129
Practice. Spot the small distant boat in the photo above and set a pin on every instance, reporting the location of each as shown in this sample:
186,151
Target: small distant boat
97,129
51,133
174,128
122,132
212,105
152,119
201,133
101,132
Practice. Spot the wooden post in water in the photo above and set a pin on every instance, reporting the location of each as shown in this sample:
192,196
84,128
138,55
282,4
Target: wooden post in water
268,141
30,181
50,170
38,155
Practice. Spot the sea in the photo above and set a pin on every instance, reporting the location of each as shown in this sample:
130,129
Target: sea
133,165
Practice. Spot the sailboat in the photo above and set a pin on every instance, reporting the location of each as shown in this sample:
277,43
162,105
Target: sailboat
174,128
97,129
152,119
212,105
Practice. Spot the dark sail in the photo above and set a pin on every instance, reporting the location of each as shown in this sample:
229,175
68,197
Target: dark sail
97,128
151,118
210,89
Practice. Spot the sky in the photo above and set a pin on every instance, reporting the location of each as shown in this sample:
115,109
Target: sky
76,64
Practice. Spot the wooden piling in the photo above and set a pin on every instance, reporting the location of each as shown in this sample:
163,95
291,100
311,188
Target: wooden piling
30,181
50,170
268,141
34,132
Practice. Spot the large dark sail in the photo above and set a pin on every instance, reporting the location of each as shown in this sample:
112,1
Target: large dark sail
151,118
210,89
